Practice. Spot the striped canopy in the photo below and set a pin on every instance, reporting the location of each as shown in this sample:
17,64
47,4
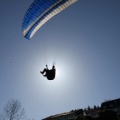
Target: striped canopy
40,12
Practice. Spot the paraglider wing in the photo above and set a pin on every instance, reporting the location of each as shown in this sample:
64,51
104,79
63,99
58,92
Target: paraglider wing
40,12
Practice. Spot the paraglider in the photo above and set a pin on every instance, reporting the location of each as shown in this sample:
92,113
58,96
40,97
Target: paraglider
50,74
39,13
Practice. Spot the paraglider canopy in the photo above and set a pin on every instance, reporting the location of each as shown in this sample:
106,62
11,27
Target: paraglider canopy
40,12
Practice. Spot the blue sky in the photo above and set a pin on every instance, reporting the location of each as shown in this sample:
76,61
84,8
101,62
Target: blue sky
84,40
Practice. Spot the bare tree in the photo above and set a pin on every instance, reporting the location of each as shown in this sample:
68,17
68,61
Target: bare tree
13,111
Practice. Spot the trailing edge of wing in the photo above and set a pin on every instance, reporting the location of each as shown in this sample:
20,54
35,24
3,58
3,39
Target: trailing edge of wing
40,12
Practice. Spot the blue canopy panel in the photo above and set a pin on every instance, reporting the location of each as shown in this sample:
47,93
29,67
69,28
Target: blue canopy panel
40,12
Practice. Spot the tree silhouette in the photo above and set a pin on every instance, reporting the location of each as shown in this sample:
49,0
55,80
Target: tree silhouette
95,107
13,111
88,108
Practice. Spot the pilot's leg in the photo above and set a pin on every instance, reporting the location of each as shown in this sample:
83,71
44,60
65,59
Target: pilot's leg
42,72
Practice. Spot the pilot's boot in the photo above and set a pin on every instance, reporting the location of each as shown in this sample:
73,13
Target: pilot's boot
42,72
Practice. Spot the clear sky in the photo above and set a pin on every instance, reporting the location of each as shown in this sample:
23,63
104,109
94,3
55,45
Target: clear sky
84,40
